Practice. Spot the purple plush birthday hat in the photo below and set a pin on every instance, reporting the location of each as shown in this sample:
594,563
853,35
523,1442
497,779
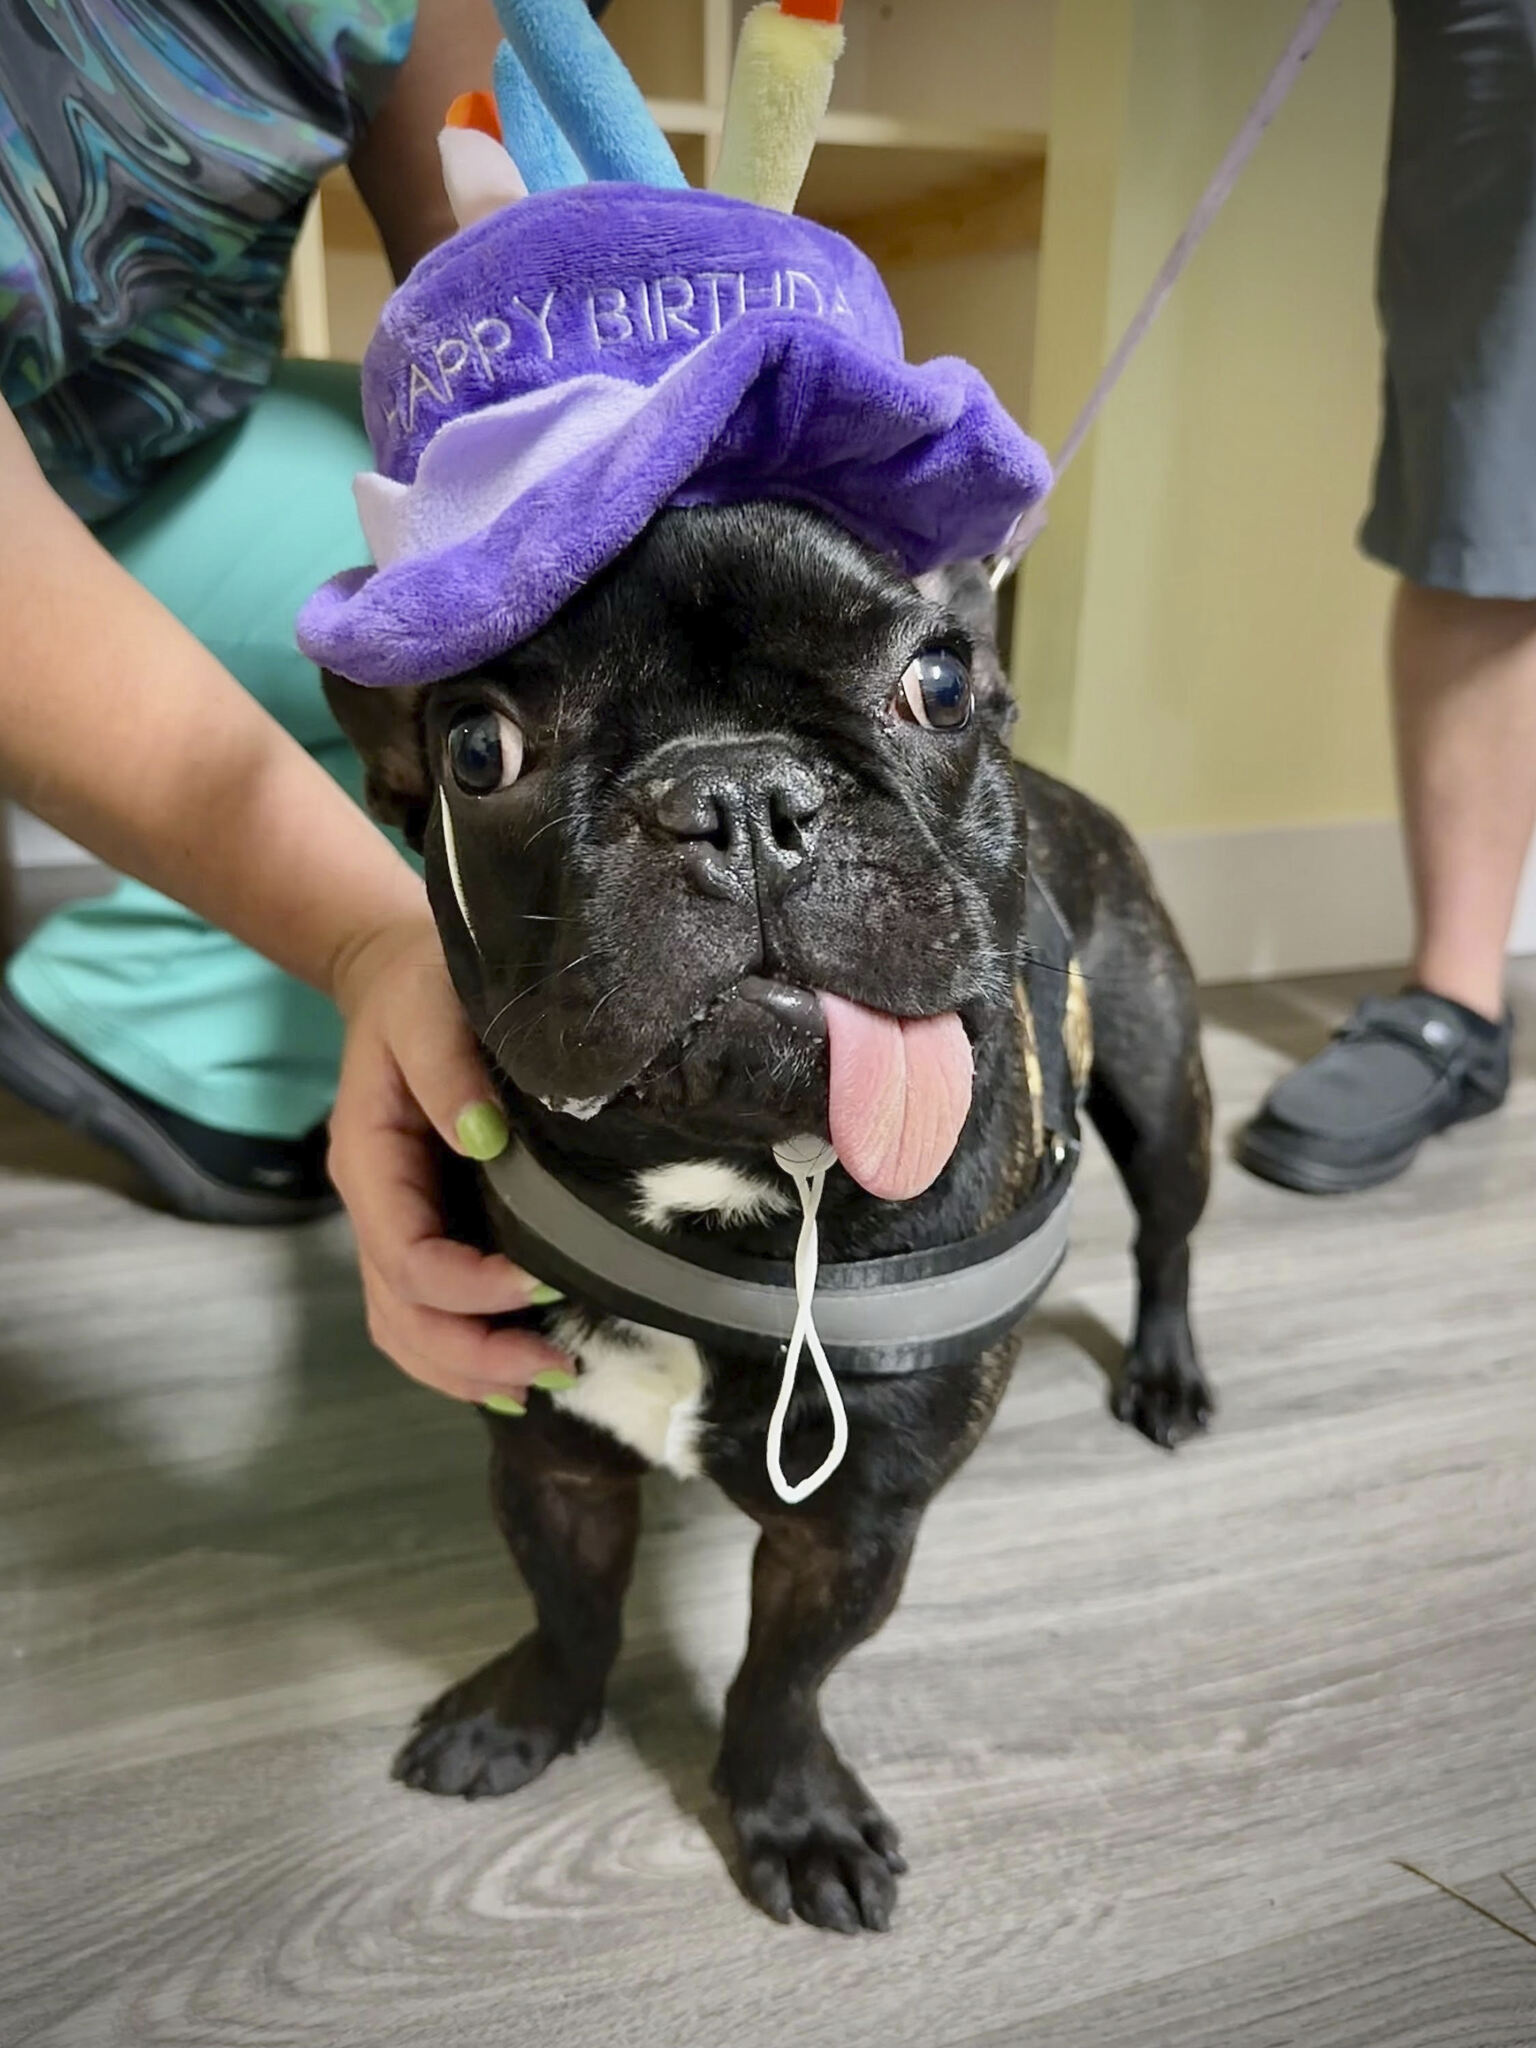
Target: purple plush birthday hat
555,375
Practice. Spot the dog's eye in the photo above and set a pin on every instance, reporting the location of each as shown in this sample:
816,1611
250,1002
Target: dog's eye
936,689
485,752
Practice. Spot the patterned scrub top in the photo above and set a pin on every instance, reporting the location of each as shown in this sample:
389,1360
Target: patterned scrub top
156,158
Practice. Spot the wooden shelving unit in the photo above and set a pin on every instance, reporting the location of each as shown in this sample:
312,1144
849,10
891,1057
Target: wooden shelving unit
932,159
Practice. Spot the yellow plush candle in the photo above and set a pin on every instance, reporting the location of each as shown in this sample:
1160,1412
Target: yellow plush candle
779,92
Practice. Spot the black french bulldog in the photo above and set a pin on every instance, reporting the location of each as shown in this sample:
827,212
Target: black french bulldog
752,765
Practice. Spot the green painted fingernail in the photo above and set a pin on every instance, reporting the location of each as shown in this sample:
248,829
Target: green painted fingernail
554,1381
544,1297
482,1131
503,1404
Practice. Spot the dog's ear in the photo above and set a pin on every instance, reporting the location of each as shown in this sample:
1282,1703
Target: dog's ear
388,729
965,589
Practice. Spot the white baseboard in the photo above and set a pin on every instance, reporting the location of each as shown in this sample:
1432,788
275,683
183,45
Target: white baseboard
1304,899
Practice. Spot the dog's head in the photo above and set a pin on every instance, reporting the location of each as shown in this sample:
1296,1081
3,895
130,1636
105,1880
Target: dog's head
750,768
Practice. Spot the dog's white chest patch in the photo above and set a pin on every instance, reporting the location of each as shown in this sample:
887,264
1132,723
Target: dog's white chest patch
705,1187
644,1387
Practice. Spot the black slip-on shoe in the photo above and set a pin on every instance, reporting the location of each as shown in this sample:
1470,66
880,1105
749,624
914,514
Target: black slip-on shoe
207,1175
1401,1068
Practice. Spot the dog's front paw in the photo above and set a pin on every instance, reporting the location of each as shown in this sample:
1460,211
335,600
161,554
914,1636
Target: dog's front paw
1161,1390
498,1730
813,1842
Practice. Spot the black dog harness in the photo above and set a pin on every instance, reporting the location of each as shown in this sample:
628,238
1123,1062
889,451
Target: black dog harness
879,1317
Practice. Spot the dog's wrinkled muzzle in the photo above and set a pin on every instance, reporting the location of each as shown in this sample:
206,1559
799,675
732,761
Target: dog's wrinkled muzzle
746,819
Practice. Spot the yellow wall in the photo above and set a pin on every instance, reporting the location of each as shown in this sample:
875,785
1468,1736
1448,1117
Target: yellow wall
979,306
1199,642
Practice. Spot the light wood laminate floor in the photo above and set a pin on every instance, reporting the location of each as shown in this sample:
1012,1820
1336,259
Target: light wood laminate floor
1160,1732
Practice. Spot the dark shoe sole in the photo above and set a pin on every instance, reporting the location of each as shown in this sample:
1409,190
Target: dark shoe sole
1268,1155
46,1074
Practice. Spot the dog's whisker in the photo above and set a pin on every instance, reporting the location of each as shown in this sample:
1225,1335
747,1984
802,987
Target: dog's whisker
550,825
1028,957
485,1034
515,1037
608,998
533,989
499,1051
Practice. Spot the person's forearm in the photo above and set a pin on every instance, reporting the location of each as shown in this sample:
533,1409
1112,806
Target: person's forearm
396,166
121,730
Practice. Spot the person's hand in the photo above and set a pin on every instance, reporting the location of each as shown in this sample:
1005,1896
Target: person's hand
410,1068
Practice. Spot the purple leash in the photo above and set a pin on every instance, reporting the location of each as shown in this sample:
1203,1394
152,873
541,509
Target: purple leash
1309,34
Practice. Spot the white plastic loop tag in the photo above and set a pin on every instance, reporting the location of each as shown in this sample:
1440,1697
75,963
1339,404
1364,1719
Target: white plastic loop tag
451,850
807,1161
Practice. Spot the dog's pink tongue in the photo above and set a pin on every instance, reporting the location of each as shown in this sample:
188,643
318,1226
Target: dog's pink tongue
899,1095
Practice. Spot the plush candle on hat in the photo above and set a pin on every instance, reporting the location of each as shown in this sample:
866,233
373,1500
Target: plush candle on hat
780,86
478,175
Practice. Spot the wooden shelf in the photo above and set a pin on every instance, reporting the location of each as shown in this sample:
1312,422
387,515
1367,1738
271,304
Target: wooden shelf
850,184
895,132
912,165
685,117
870,166
871,131
982,186
985,211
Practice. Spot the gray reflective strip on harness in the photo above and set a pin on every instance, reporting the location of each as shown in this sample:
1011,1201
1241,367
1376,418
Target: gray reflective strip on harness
943,1306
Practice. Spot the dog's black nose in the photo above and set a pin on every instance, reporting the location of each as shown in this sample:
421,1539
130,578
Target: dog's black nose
746,817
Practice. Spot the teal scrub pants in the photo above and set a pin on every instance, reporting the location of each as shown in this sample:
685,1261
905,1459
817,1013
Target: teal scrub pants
232,542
